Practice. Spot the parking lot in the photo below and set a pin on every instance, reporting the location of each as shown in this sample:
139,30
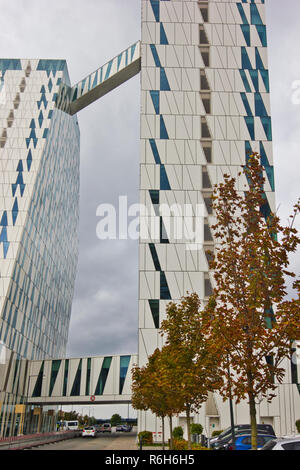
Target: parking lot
107,441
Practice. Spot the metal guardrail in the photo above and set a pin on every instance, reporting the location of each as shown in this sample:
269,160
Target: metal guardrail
33,440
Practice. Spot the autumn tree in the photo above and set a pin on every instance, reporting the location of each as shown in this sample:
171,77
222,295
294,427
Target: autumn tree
153,388
193,368
253,322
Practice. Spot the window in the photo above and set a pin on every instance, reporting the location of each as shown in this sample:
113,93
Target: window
205,55
203,6
206,184
207,286
203,81
203,37
207,149
204,129
206,102
207,233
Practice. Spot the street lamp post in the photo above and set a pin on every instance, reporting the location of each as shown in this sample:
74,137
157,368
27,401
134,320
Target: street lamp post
231,408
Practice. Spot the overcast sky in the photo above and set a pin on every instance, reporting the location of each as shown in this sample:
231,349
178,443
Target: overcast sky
87,34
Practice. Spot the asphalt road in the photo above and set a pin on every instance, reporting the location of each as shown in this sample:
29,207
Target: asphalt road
113,441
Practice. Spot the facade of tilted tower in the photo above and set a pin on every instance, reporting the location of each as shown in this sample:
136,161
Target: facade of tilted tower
39,147
205,106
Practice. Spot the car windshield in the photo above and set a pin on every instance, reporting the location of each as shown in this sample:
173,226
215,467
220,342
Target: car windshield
89,428
269,445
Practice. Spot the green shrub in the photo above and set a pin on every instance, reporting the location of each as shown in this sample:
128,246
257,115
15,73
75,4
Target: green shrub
298,425
196,428
216,433
177,433
146,437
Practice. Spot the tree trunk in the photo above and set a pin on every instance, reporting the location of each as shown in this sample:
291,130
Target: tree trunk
163,432
188,423
171,431
252,407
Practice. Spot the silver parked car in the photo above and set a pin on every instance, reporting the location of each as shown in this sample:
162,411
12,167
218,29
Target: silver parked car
284,443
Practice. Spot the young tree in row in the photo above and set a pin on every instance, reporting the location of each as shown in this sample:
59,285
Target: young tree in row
253,323
191,365
153,388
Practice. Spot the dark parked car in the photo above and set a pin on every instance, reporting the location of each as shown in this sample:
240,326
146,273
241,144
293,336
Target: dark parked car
225,436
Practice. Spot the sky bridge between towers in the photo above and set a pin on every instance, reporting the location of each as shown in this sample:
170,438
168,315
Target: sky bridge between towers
111,75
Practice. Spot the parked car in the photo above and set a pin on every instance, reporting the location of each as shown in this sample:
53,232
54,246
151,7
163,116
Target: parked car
89,431
123,428
243,442
106,427
292,443
242,428
222,444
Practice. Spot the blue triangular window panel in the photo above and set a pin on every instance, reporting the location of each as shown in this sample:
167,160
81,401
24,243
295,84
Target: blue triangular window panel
74,97
32,124
41,119
163,130
155,8
83,85
242,13
255,16
163,236
155,151
246,64
155,55
103,376
245,81
29,160
266,122
246,33
265,77
154,307
163,36
260,109
246,104
95,82
259,62
164,288
261,30
154,257
108,70
124,364
15,211
132,50
5,248
3,235
50,85
43,90
164,84
3,222
22,189
164,181
20,166
250,125
155,100
20,179
254,78
119,60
